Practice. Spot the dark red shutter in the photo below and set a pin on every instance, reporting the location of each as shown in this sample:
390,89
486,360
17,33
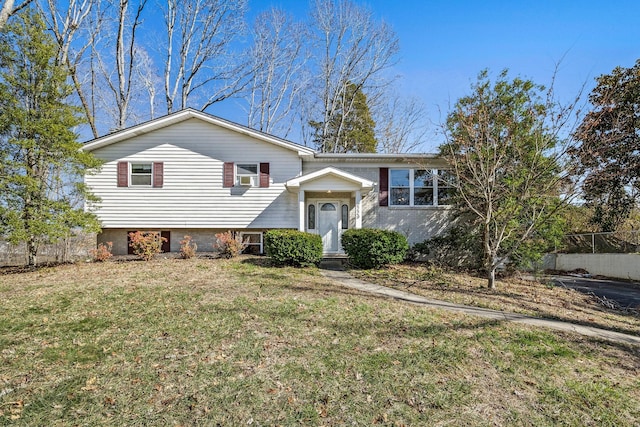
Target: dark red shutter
123,174
384,187
158,174
227,174
264,175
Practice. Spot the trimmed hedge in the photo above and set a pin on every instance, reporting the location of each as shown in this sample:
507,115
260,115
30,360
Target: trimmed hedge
292,247
374,248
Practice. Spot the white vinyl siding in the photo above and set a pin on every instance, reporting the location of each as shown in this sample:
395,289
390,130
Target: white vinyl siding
193,153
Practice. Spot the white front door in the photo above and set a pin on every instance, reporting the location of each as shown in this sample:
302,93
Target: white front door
328,225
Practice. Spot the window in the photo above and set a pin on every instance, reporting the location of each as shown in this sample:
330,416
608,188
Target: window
422,187
446,181
311,217
400,190
141,173
419,187
247,174
253,242
345,217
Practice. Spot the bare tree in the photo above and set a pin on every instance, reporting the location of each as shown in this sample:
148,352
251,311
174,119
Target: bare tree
353,49
277,61
121,84
198,59
151,81
401,124
9,8
75,25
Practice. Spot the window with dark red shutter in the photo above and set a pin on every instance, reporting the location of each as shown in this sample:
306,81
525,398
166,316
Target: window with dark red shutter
264,175
383,185
227,174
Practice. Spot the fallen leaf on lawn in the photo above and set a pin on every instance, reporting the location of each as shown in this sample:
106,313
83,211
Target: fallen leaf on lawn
91,384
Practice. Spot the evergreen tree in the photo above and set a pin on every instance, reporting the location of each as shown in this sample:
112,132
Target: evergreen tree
351,128
609,155
42,165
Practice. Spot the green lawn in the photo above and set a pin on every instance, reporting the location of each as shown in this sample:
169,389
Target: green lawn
214,342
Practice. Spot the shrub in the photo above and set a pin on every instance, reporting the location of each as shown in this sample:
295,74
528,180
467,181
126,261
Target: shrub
188,248
456,248
102,252
146,245
292,247
229,245
373,248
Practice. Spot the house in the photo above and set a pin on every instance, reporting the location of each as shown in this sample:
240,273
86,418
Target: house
190,173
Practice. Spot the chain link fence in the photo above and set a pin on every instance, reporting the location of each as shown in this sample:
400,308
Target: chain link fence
617,242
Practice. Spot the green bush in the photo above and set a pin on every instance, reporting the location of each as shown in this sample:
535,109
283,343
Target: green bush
373,248
292,247
456,248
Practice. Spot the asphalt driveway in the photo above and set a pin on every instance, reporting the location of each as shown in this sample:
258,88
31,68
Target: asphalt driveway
626,294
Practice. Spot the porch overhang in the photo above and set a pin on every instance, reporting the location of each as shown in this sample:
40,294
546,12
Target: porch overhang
328,180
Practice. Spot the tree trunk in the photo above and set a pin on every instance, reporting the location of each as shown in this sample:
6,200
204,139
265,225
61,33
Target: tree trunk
89,114
491,278
5,12
32,250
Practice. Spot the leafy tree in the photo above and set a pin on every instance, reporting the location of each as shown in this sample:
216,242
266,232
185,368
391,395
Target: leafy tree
504,150
609,155
41,159
351,129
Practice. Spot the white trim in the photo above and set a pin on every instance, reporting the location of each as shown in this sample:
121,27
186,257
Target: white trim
295,183
377,156
358,209
301,211
187,114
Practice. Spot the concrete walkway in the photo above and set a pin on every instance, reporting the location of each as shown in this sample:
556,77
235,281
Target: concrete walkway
335,272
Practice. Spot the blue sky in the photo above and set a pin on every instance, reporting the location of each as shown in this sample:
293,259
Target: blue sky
444,44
